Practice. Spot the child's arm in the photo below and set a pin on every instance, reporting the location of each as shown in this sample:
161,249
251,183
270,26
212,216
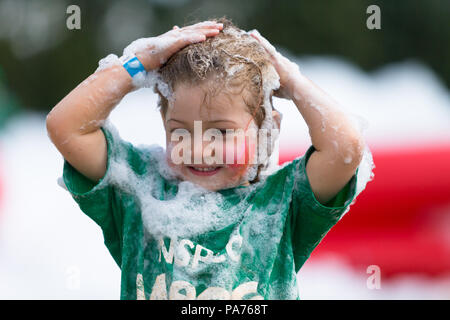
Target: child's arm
339,145
74,123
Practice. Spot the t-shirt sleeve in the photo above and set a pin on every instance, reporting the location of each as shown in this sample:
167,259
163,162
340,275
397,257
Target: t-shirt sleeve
311,220
101,201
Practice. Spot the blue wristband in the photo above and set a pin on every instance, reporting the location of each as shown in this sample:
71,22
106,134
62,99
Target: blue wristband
134,66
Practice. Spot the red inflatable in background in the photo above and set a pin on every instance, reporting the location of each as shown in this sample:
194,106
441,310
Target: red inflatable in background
401,221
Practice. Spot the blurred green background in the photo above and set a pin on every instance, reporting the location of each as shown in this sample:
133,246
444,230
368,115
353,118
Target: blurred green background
41,60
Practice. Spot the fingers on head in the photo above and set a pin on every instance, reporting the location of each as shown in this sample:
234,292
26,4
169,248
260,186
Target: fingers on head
191,37
196,35
264,42
206,24
209,24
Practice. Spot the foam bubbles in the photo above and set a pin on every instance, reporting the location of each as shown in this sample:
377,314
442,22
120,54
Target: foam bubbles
108,62
364,175
152,79
190,212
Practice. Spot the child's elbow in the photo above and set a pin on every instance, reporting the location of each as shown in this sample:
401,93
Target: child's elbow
54,127
353,154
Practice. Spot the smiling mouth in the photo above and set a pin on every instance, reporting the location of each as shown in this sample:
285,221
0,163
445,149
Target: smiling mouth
204,171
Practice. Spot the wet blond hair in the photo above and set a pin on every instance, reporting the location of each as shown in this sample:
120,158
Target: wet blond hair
232,61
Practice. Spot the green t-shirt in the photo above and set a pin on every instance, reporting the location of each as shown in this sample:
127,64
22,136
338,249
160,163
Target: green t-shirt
173,240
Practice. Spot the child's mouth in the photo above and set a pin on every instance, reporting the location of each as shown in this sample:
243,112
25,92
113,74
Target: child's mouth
204,170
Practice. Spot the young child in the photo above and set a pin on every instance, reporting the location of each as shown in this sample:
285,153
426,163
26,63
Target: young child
205,228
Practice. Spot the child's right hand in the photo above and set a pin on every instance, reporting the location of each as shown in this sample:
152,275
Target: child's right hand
154,52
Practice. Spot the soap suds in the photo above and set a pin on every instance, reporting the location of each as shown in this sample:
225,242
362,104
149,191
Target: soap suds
192,211
108,62
348,159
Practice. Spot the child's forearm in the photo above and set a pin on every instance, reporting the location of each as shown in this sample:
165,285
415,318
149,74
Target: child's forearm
330,128
86,107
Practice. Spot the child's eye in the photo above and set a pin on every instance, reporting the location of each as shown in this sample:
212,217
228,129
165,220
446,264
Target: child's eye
179,131
222,131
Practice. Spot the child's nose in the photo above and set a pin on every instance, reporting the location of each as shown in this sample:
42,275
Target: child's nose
233,152
197,152
211,153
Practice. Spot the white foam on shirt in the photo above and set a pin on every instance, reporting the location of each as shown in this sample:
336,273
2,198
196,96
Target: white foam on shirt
192,211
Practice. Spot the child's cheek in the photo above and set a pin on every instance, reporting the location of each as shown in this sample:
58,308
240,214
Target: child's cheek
176,168
239,155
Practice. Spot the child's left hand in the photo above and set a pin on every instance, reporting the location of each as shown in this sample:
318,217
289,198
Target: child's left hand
286,69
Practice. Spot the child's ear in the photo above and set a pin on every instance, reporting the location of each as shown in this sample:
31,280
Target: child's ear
277,118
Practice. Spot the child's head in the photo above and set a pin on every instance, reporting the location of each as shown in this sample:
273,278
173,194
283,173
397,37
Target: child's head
226,82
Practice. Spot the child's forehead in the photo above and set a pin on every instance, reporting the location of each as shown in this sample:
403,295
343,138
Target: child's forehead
197,100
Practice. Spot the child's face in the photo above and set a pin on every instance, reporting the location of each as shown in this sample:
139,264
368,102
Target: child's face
223,111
